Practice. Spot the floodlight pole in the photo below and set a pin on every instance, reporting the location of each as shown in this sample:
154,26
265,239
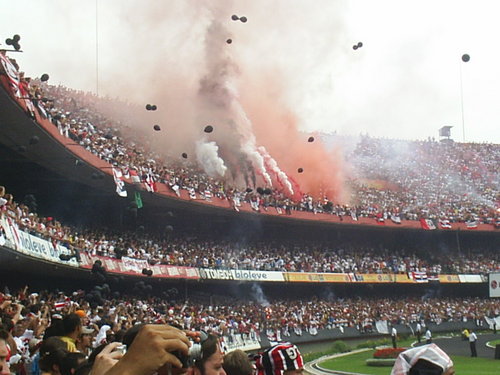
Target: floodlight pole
462,102
96,48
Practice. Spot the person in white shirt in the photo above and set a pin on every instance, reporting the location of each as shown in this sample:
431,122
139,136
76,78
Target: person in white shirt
428,336
394,336
472,343
418,332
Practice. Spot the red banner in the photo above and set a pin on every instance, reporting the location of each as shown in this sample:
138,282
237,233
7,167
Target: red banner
132,266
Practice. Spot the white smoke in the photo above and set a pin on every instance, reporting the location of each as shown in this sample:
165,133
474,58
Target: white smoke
273,166
207,154
249,146
219,92
258,295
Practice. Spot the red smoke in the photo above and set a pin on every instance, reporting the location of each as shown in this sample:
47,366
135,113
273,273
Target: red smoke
276,128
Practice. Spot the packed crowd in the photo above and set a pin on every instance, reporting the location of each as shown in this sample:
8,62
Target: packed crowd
107,315
454,181
37,337
404,180
282,255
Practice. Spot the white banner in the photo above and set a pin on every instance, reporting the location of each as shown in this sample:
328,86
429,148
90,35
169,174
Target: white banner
257,275
493,322
12,74
208,273
470,278
494,284
243,275
242,342
382,326
134,265
34,246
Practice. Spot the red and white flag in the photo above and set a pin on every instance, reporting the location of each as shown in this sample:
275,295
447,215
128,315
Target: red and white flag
14,231
433,277
192,193
150,183
120,185
126,172
419,277
12,75
354,216
380,219
427,224
395,219
59,305
134,176
471,224
2,236
444,224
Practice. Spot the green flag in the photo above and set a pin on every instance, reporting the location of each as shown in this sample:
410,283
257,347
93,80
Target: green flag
138,199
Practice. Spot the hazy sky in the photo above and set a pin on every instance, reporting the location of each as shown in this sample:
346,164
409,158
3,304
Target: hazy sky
403,83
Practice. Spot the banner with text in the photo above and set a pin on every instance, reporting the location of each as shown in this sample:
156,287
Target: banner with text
241,342
34,246
132,266
449,279
375,278
242,275
307,277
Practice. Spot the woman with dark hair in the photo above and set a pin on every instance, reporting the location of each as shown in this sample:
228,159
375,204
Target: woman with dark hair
211,358
71,362
52,352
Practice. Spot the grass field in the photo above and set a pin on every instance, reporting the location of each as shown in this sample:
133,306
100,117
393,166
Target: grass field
463,365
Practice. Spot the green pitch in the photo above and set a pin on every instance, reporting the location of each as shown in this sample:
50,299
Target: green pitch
463,365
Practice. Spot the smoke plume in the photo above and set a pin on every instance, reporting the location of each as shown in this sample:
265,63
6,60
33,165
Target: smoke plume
175,55
208,157
258,295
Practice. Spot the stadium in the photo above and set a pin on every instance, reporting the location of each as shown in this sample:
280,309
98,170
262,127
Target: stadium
210,217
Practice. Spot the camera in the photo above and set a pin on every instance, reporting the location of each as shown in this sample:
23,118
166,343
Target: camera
122,349
195,351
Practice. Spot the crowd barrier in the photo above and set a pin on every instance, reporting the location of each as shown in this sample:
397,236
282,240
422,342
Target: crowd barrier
351,333
34,246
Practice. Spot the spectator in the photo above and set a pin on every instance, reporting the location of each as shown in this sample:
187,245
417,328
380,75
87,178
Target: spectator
71,362
4,354
212,358
52,352
84,342
72,326
281,359
237,363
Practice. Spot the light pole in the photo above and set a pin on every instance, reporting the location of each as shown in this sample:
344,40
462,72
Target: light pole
465,59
